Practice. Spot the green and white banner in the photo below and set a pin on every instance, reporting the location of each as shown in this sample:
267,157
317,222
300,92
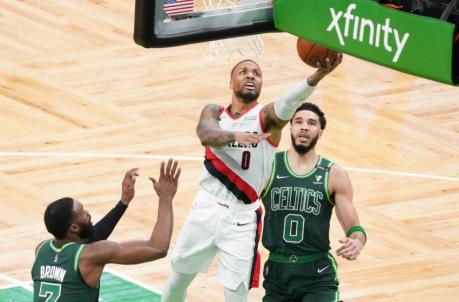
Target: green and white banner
418,45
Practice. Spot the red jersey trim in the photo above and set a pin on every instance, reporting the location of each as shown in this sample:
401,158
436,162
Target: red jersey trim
256,263
217,168
222,109
244,112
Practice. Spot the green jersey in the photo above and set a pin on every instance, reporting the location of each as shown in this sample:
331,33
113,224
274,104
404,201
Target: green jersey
56,275
298,209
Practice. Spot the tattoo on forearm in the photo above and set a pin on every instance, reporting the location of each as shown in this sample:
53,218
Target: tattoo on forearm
208,129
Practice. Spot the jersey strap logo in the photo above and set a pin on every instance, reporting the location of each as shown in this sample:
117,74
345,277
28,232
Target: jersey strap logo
250,118
282,177
318,180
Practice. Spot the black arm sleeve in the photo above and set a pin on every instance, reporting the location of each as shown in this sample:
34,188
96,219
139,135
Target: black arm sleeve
105,226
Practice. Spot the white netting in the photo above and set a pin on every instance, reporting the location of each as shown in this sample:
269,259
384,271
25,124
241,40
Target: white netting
223,50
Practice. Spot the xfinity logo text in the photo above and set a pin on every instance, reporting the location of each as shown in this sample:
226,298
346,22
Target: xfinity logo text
357,28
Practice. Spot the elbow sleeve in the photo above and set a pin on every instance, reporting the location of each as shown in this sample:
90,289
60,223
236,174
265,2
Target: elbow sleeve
106,225
287,104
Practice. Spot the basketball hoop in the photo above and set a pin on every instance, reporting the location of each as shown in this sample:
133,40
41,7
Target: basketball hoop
224,50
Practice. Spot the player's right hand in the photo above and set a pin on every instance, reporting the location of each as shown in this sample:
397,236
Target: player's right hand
322,71
166,185
128,186
247,139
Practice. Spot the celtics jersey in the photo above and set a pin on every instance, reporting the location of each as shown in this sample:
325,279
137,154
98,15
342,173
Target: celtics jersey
56,275
298,208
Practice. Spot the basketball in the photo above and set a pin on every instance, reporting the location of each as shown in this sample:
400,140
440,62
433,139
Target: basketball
311,53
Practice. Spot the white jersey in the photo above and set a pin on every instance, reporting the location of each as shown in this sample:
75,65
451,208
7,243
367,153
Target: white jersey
236,173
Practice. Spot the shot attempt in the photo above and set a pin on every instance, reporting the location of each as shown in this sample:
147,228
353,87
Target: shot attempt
240,143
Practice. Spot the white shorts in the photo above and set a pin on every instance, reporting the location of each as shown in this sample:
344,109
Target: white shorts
232,230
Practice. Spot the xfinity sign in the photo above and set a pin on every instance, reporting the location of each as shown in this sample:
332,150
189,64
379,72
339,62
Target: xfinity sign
348,25
369,31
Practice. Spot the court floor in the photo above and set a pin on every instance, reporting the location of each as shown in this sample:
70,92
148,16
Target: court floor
115,287
80,104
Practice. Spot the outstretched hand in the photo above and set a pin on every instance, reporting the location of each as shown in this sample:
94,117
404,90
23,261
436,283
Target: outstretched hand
128,186
246,139
323,70
350,248
166,185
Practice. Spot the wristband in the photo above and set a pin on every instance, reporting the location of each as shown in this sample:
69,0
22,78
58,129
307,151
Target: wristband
356,228
121,204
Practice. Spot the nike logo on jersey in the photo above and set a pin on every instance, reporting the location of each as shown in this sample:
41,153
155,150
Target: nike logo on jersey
241,224
320,270
282,177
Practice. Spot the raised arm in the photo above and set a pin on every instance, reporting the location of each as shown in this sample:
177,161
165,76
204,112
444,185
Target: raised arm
107,224
340,185
96,255
276,115
210,133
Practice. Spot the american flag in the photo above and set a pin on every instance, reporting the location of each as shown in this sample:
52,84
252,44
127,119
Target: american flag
175,7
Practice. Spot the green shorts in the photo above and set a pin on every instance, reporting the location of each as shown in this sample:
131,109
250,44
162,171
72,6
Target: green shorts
289,280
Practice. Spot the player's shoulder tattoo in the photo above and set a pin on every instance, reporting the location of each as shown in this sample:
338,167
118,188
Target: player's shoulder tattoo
209,117
271,120
212,109
268,108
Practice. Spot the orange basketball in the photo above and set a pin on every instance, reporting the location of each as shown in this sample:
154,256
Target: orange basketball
311,53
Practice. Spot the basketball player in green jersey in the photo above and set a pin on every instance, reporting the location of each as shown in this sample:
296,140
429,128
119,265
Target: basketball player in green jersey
299,200
66,269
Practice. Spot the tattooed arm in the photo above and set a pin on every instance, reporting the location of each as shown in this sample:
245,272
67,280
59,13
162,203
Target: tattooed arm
210,133
272,123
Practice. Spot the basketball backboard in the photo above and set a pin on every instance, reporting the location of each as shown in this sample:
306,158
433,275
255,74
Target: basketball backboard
160,23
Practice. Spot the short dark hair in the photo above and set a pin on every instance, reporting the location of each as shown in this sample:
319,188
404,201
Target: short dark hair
246,60
314,108
59,216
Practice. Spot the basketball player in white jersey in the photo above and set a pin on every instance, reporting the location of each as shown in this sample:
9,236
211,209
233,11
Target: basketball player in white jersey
240,143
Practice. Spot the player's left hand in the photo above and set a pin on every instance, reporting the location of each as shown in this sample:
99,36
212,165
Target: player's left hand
350,248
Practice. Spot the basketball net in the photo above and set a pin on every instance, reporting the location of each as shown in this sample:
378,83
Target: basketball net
223,50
